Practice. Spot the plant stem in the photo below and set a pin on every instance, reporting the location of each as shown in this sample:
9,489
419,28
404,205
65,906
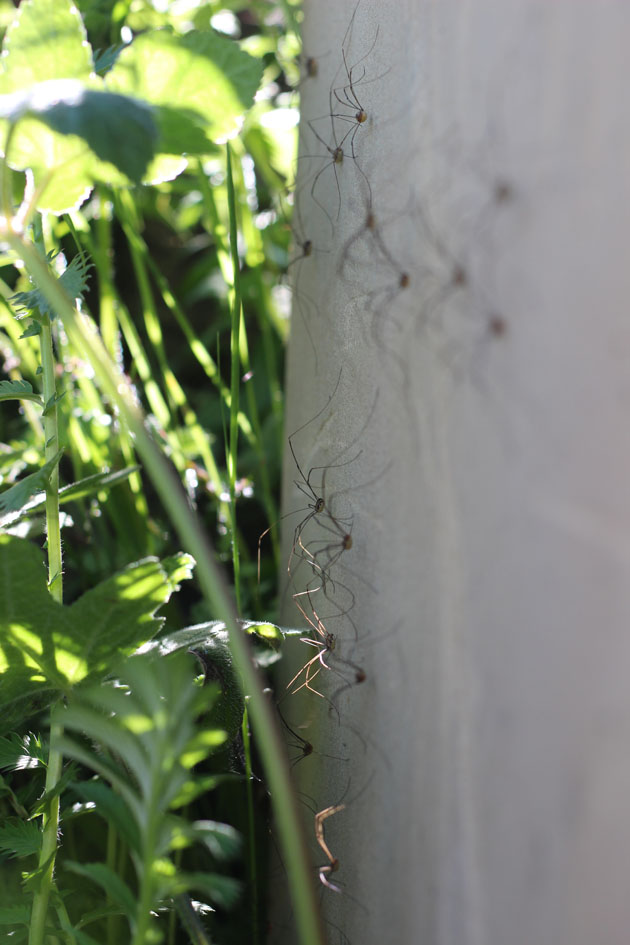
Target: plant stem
212,583
49,842
50,823
234,375
51,439
251,827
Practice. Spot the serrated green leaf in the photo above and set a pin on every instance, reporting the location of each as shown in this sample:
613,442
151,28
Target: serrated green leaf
50,404
14,498
19,390
46,648
116,889
46,40
21,751
33,329
73,280
19,838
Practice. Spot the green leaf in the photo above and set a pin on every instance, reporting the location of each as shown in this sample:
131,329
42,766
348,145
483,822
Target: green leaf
47,40
76,490
73,280
201,83
21,751
16,497
117,128
19,390
15,915
33,329
46,648
222,890
210,644
19,838
116,889
223,841
104,59
111,807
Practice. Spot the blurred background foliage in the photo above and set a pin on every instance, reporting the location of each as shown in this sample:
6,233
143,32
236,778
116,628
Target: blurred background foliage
159,296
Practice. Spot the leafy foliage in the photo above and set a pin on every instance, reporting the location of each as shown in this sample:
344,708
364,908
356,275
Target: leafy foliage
73,279
149,745
47,648
15,498
83,113
19,390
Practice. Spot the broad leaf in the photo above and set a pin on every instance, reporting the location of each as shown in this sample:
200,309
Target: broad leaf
46,648
201,83
117,128
47,40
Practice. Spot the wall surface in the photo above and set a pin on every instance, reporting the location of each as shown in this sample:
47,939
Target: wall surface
466,357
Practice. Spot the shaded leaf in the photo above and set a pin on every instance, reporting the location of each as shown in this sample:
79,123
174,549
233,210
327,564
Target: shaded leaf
222,890
15,915
19,837
116,889
201,83
118,129
47,40
111,807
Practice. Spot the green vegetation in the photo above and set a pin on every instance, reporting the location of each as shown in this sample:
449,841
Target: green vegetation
143,238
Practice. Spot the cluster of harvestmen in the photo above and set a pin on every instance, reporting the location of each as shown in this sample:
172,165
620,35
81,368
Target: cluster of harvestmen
319,540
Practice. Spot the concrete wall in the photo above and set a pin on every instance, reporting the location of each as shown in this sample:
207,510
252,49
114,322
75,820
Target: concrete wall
488,774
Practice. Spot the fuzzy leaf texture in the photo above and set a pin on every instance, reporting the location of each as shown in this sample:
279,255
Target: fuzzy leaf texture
47,648
19,837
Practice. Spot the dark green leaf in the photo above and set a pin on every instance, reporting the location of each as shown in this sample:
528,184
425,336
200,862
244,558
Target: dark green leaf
116,889
19,838
222,890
